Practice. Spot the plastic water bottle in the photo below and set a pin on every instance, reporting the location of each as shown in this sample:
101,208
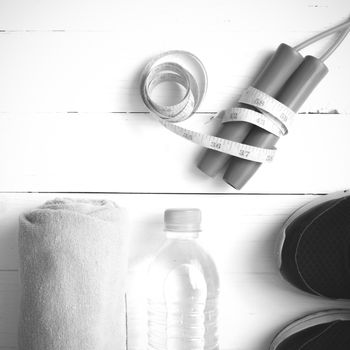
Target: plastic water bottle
183,287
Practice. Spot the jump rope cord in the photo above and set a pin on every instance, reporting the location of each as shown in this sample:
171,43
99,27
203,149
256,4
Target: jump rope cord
344,30
335,45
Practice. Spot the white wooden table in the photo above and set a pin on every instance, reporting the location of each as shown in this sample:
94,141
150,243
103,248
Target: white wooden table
72,124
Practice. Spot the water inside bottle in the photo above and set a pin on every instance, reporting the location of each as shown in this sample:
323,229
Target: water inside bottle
182,303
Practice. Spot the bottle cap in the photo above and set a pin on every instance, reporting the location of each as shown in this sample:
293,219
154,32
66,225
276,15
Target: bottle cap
183,219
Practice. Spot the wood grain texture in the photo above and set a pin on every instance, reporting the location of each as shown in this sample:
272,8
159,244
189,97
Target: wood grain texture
108,15
58,56
71,120
134,153
239,231
99,71
69,93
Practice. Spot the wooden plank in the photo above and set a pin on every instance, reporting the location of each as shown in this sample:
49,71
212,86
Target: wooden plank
112,15
238,231
263,303
99,71
134,153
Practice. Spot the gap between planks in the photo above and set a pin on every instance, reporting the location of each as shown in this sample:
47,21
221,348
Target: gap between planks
170,193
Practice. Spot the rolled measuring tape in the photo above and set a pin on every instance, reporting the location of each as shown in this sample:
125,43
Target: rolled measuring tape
187,70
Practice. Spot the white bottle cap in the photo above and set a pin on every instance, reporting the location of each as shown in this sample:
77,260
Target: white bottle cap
183,220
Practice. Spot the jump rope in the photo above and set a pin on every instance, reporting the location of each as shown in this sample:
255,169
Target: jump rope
264,112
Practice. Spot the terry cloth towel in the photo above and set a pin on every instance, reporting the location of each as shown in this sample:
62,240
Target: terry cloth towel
73,260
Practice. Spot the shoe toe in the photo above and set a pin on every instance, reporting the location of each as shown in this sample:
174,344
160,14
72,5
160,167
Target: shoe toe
315,252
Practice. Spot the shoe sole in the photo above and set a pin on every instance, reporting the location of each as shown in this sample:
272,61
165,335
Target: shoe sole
307,322
282,235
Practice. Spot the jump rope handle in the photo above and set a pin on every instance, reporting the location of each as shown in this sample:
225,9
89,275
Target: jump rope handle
293,94
271,79
290,79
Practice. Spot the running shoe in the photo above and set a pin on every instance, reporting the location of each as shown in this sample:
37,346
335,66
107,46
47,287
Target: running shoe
326,330
314,247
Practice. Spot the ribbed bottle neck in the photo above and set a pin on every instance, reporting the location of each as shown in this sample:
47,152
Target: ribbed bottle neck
182,235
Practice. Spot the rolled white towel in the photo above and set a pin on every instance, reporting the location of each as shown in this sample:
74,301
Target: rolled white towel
73,263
